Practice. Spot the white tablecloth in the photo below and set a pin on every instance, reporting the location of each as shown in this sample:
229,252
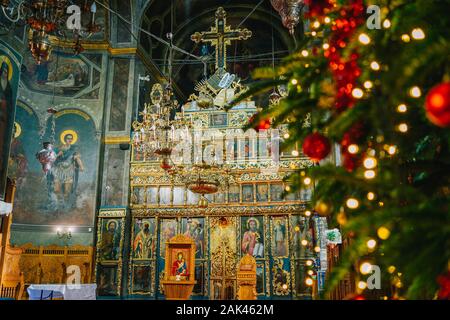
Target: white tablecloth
5,208
58,291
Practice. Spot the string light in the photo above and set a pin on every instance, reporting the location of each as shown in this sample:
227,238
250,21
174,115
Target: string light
403,127
353,149
310,272
369,174
287,188
391,269
309,263
418,34
371,244
402,108
370,163
375,66
294,82
406,38
357,93
352,203
368,85
392,150
304,243
327,20
362,285
326,46
371,196
313,33
307,181
415,92
295,153
309,282
364,39
316,24
317,249
305,53
307,213
383,233
286,136
386,24
365,268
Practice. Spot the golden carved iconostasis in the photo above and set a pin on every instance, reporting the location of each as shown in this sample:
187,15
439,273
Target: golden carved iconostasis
249,215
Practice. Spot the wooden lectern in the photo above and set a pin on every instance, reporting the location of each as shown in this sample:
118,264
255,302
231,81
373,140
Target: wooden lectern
179,272
246,278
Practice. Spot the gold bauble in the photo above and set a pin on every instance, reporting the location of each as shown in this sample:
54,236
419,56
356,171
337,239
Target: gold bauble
323,208
341,218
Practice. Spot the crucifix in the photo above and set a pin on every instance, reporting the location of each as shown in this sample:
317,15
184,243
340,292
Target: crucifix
220,37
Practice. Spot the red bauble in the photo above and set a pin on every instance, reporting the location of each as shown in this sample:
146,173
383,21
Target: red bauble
444,282
437,105
263,124
316,147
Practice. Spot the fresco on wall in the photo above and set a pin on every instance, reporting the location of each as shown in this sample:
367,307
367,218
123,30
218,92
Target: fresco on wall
65,192
9,79
63,73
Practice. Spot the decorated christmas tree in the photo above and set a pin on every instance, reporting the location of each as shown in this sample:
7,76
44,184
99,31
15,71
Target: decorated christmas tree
374,82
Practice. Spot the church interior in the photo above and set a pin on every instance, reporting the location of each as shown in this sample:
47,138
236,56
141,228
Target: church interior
140,157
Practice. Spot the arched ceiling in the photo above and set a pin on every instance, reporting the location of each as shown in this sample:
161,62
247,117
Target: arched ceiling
192,16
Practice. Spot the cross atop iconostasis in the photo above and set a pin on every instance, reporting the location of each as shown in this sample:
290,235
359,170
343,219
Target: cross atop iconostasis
220,37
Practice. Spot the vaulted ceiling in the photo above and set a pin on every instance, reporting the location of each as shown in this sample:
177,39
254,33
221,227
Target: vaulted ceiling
190,16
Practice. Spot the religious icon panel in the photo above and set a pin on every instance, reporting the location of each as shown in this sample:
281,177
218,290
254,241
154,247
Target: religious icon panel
107,279
110,240
262,192
252,233
276,192
233,194
144,241
280,241
199,287
247,193
168,230
142,279
281,277
260,279
194,229
301,237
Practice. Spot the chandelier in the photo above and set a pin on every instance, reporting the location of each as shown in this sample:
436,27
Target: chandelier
289,10
50,17
203,179
154,135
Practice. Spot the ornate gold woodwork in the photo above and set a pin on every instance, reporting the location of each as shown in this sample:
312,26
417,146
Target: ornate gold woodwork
179,287
48,264
223,258
219,211
105,215
11,276
246,278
